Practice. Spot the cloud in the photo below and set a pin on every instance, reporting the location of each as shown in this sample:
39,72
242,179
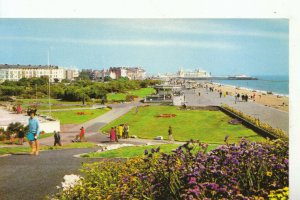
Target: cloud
126,42
202,27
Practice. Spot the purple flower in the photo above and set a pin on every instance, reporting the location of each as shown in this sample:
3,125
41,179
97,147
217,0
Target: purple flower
192,180
146,152
152,150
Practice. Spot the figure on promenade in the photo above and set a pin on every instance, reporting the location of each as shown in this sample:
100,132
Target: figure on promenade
19,109
220,94
33,133
121,130
116,134
125,131
82,134
235,98
57,138
170,134
246,98
112,134
136,109
21,136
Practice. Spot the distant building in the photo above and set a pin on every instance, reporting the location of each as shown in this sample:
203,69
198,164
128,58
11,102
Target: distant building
16,72
72,73
132,73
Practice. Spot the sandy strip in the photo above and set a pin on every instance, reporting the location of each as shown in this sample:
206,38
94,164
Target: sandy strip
271,100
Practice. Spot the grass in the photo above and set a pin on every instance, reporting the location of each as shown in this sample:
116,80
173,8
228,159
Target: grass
71,116
129,152
22,149
207,126
55,103
141,93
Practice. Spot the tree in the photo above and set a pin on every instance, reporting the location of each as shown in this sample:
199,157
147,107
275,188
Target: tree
107,78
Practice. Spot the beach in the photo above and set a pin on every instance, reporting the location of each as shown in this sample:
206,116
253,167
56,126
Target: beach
279,102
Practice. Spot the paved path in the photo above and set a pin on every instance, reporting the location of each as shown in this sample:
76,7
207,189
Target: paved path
33,177
276,118
92,127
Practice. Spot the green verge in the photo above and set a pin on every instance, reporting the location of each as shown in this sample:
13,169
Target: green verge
43,104
21,149
207,126
133,151
73,116
141,93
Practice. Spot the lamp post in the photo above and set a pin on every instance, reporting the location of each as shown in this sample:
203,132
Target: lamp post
49,84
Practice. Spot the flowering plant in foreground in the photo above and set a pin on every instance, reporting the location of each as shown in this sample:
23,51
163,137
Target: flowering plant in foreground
233,171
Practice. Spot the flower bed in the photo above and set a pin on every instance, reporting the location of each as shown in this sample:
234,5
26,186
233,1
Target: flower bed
237,171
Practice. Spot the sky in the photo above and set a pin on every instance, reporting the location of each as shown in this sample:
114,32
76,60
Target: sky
220,46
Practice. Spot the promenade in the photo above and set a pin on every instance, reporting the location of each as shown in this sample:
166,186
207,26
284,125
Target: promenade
275,118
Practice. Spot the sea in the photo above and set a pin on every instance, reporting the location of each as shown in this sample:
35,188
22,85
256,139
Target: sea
278,85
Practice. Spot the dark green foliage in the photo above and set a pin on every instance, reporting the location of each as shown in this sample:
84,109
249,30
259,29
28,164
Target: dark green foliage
71,91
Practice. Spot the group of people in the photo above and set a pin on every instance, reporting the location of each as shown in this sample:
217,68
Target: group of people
122,131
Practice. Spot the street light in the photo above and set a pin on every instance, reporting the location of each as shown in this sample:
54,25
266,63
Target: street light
49,83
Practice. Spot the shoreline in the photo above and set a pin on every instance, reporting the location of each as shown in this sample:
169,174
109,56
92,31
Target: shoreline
276,101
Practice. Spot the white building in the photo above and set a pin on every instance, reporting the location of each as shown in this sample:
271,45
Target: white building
16,72
72,73
192,74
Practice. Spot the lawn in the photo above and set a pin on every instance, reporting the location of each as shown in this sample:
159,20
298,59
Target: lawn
43,104
23,149
78,116
207,126
141,93
129,152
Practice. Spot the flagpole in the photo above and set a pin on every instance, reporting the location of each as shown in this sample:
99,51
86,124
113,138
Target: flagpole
49,83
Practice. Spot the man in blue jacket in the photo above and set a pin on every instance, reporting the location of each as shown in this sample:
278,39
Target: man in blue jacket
33,134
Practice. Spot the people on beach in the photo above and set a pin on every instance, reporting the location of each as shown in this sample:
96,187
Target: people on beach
33,134
57,138
112,134
170,134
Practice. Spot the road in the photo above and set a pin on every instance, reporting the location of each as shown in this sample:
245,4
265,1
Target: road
275,118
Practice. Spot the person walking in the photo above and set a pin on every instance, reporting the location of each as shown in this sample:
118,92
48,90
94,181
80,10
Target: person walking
57,138
33,134
170,134
82,134
21,136
220,94
125,131
112,134
121,130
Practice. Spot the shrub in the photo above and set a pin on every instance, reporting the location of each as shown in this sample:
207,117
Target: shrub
233,171
130,97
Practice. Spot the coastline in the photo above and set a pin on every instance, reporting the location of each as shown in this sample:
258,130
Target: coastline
276,101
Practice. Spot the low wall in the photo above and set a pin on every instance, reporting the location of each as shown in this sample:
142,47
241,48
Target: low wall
50,126
258,130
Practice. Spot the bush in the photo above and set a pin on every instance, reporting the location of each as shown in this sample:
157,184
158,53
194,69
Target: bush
130,97
242,171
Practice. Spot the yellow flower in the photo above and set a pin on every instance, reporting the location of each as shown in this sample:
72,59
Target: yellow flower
269,173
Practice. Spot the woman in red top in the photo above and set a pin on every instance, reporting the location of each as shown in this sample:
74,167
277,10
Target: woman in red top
81,135
112,134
